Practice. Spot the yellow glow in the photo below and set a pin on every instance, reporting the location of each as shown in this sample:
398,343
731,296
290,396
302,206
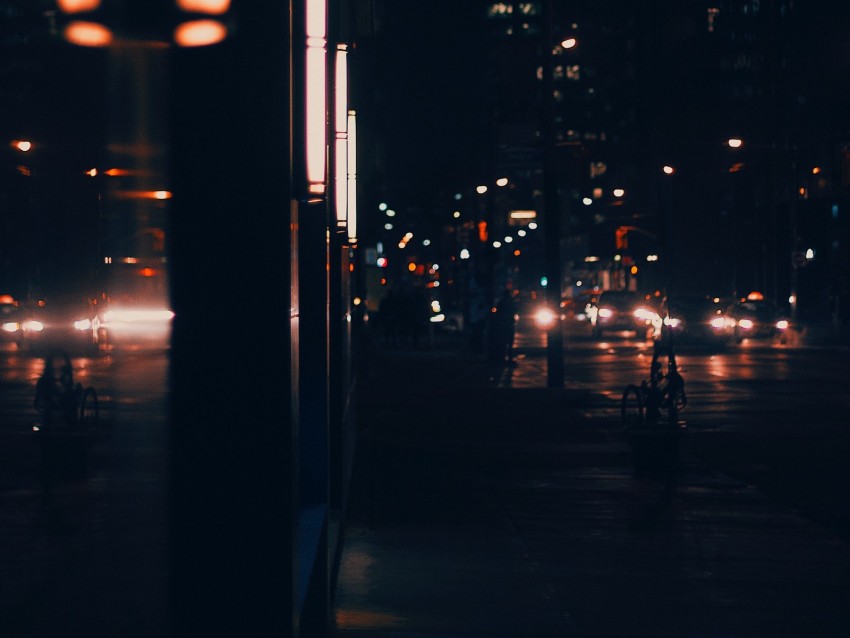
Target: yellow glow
88,34
315,116
77,6
211,7
133,194
816,170
199,33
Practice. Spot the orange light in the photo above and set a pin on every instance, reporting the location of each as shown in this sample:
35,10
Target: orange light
211,7
411,267
88,34
148,272
755,295
78,6
200,33
117,172
482,231
517,252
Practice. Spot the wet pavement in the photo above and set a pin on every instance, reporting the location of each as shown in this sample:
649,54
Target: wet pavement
485,504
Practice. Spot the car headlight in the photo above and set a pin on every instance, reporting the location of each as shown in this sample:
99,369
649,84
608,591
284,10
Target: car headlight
645,315
11,326
672,322
718,323
82,324
782,324
544,317
33,325
605,312
746,324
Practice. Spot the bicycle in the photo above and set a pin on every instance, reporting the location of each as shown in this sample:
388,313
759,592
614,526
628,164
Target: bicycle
657,401
64,405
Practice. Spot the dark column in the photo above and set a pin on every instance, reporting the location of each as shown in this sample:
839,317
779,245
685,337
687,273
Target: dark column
231,514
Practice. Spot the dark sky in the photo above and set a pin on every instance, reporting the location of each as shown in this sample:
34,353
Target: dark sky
432,88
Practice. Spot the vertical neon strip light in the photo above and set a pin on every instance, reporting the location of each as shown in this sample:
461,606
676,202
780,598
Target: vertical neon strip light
341,135
316,95
352,177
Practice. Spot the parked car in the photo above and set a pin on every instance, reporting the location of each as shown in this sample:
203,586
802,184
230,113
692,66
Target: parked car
10,319
68,323
622,310
696,320
757,318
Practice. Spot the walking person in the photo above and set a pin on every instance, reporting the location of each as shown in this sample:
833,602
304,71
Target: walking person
503,328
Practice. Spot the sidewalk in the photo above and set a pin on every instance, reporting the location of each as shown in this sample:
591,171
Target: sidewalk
479,510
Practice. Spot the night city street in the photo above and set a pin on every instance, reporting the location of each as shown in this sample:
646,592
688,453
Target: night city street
378,318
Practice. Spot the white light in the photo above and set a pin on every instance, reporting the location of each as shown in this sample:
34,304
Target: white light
508,239
316,18
341,180
734,142
532,226
521,232
810,254
390,212
497,244
382,206
388,226
792,299
315,106
456,214
587,201
480,189
426,242
341,171
619,192
502,181
352,176
464,253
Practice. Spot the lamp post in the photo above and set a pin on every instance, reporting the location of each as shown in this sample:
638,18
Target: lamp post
551,208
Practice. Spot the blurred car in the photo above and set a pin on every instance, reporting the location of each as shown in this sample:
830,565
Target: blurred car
757,318
622,310
10,319
696,320
444,318
67,323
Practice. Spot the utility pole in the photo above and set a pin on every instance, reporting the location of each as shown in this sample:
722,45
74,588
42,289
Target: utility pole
552,211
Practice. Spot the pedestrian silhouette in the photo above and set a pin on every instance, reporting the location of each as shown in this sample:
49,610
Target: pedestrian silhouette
503,328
